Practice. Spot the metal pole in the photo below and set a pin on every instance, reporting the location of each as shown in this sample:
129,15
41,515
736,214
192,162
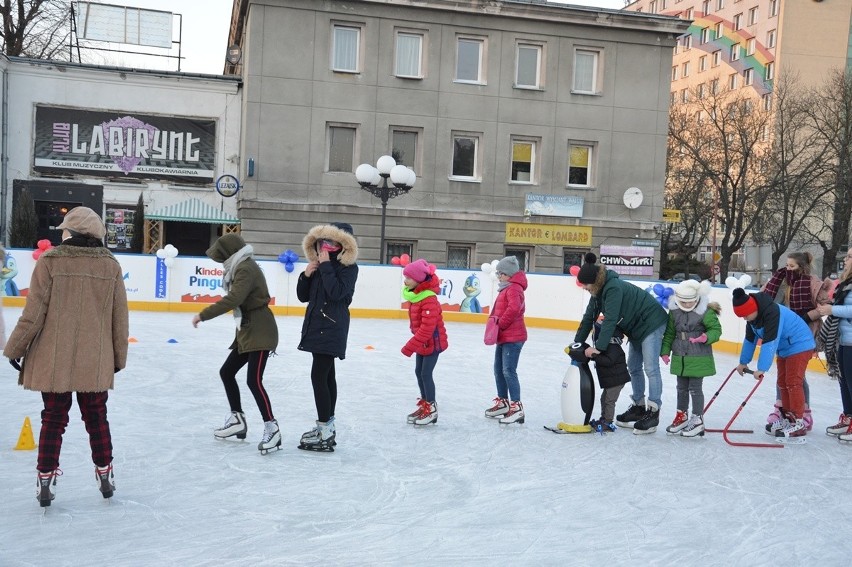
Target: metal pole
713,251
384,212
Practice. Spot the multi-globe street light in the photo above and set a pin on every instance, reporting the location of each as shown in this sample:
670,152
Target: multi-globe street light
375,180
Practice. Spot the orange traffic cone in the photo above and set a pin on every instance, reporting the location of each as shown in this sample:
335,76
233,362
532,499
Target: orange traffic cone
25,439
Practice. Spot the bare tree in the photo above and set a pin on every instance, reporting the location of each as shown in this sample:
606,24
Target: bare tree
797,169
726,134
36,28
830,113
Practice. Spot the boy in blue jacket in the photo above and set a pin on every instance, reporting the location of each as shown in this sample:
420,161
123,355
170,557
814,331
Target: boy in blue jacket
785,334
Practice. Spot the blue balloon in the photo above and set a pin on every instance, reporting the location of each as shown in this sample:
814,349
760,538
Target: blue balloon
658,289
668,292
282,257
288,266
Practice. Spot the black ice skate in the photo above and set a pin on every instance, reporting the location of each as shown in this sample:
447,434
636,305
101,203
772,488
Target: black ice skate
46,487
320,438
271,438
106,480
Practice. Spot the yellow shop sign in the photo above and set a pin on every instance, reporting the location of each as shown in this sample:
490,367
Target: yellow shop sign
553,234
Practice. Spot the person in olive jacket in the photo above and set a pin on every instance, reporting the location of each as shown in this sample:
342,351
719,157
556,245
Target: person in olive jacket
71,339
643,320
327,286
247,295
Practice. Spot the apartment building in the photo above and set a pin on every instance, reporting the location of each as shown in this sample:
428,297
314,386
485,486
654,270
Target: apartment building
534,129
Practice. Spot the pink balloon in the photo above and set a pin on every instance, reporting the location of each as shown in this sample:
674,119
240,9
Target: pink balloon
37,252
405,259
395,260
574,270
578,283
44,244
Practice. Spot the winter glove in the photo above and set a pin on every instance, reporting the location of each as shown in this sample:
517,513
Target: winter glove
702,338
665,358
16,363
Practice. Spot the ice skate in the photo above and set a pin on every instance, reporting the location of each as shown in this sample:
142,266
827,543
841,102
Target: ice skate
429,414
793,432
416,413
46,487
649,422
320,438
633,414
808,418
499,409
235,426
271,439
694,427
514,415
841,427
106,480
778,425
602,425
679,423
776,414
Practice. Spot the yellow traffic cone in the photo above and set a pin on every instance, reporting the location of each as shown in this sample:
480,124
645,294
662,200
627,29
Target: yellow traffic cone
25,440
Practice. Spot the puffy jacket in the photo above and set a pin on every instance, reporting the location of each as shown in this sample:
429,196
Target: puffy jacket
624,305
73,331
509,309
328,293
692,360
425,320
248,291
842,309
781,331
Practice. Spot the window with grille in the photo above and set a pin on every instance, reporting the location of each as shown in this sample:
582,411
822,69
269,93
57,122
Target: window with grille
398,249
523,256
571,258
459,255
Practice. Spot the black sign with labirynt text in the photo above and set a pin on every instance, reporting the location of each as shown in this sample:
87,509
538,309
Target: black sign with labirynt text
123,144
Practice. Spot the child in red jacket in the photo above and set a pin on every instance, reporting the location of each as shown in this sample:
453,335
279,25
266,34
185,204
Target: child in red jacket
430,336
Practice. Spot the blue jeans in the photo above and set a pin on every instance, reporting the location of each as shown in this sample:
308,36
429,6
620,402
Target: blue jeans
646,358
423,367
506,357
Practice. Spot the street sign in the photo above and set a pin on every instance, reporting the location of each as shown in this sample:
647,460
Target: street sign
646,243
716,257
671,215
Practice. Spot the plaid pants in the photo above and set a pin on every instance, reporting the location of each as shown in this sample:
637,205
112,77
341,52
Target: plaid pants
54,420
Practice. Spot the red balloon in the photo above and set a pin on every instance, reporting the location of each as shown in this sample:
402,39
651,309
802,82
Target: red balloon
578,283
44,244
37,252
574,270
395,260
404,260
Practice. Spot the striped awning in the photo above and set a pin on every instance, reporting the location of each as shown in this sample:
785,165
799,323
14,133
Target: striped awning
193,210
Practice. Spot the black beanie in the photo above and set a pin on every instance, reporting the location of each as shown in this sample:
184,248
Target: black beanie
345,227
589,271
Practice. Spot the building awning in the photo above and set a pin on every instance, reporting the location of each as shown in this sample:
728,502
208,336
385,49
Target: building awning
193,210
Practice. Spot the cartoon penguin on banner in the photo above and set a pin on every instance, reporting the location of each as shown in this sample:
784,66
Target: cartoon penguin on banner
578,393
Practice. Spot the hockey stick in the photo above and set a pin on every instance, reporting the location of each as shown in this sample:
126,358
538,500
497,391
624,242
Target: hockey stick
737,413
713,399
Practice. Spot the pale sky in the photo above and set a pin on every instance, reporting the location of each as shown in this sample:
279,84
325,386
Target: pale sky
205,34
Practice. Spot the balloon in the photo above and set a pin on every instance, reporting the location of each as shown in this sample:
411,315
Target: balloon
171,251
288,266
292,256
395,260
494,264
161,253
37,252
169,262
658,289
732,283
44,244
576,281
574,270
405,259
745,280
487,268
668,292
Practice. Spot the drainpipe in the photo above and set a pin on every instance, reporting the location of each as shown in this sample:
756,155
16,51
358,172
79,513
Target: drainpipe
4,158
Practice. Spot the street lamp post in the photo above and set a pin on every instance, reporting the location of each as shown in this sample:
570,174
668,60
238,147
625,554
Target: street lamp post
375,180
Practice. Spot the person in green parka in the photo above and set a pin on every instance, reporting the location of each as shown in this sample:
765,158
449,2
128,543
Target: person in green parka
692,328
247,295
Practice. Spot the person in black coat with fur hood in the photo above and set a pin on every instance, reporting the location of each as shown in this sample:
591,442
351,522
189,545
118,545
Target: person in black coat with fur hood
327,286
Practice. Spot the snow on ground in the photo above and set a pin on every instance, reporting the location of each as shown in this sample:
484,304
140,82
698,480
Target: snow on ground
464,492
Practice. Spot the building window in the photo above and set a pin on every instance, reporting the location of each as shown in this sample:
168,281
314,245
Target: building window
652,7
689,13
341,148
717,57
586,62
720,5
674,72
685,69
773,8
702,90
580,164
469,53
684,95
738,21
346,48
750,46
459,255
702,63
687,42
523,256
770,38
733,81
719,30
465,157
735,52
714,86
672,98
405,147
752,16
767,101
705,35
523,160
409,55
770,71
528,72
571,258
705,7
397,249
748,77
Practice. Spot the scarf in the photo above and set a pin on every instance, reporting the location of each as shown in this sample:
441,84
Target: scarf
503,285
230,265
799,295
829,334
410,296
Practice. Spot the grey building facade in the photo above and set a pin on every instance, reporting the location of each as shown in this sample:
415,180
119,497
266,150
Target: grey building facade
529,125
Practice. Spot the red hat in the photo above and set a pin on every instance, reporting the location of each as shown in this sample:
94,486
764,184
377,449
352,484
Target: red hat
418,270
744,304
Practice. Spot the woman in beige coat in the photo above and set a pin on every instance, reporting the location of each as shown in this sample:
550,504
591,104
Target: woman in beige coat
72,338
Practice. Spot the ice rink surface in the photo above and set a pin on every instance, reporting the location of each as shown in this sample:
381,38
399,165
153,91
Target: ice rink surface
464,492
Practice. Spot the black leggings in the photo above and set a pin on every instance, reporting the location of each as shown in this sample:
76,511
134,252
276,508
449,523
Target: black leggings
325,386
256,361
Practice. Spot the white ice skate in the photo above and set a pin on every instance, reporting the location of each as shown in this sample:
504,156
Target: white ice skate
235,426
320,438
271,438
